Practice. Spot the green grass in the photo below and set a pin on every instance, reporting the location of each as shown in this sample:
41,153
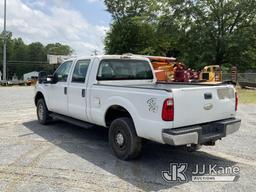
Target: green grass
246,96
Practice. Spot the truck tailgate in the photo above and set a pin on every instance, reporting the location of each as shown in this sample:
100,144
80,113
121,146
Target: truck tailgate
203,104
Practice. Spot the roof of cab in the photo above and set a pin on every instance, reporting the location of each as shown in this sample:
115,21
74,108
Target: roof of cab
124,56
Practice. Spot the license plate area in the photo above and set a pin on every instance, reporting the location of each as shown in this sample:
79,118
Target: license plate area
212,129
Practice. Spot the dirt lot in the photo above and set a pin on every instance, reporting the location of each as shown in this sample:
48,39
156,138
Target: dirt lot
63,157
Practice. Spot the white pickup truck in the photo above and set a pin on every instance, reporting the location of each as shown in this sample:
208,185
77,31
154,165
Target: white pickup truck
120,92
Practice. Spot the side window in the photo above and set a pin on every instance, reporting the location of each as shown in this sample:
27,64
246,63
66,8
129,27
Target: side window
80,71
105,71
63,71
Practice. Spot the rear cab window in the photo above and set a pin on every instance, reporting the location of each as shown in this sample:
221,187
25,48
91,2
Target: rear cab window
118,69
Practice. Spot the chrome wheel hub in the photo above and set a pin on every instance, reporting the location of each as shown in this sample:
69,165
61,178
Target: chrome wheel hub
120,139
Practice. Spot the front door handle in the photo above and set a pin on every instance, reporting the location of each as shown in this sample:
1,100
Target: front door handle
65,90
83,92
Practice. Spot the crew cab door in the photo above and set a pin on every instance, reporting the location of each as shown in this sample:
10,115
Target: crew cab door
77,90
58,97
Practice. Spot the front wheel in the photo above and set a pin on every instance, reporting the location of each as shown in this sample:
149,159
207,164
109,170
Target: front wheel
42,112
123,139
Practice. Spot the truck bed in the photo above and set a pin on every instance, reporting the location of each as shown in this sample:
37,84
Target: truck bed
166,86
194,103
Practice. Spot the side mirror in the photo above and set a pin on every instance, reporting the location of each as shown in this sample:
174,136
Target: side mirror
49,79
42,77
52,79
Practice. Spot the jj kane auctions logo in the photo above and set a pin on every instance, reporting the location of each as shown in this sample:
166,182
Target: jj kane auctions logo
201,173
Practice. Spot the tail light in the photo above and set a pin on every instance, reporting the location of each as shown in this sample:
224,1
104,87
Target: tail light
236,101
168,110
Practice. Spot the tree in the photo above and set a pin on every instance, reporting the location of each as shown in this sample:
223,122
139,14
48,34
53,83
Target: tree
131,8
220,26
23,58
130,35
199,32
36,52
19,50
58,49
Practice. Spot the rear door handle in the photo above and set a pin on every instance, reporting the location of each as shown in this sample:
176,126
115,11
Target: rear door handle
83,92
65,90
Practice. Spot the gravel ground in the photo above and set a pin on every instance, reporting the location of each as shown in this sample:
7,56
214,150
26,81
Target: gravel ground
63,157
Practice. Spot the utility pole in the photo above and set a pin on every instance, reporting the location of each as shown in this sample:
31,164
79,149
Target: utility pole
95,52
4,48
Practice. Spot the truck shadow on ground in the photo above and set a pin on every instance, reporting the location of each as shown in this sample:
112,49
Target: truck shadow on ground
144,173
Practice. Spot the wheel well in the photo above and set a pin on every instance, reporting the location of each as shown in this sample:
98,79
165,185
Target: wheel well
38,96
115,112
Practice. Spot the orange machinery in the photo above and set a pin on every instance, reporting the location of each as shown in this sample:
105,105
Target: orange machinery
163,66
169,69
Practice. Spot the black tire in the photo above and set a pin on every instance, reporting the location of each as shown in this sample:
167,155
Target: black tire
42,112
124,128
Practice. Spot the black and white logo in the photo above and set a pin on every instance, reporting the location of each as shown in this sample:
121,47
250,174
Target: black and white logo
176,172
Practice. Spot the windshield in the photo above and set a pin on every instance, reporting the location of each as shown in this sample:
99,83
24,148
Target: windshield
124,70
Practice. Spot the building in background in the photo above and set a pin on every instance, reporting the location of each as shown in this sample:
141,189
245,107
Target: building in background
30,75
57,59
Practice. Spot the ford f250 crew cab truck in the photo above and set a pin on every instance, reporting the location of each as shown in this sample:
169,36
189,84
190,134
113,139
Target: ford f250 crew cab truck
121,93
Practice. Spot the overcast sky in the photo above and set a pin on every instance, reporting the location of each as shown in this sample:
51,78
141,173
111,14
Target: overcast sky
82,24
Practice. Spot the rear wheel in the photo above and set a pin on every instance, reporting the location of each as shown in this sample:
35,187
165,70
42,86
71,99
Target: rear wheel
123,139
42,112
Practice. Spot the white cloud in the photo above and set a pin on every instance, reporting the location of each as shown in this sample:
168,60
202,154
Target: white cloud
94,1
56,24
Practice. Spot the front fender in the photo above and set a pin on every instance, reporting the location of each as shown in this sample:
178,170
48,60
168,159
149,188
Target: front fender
41,89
